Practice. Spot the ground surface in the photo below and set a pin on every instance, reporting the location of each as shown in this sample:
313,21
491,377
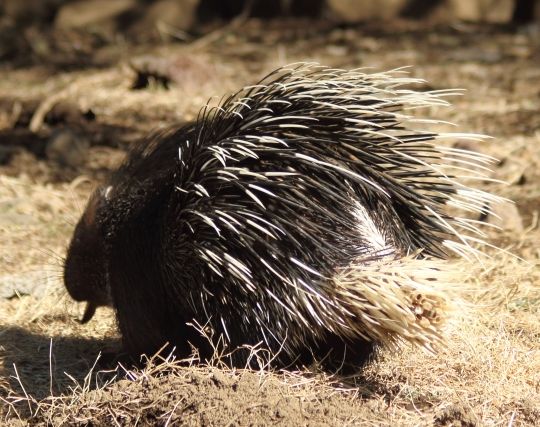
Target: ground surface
488,375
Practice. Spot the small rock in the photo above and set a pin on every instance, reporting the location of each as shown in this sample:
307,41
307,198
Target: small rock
68,113
506,216
170,17
5,154
354,10
27,11
456,415
167,70
87,13
12,285
495,11
67,148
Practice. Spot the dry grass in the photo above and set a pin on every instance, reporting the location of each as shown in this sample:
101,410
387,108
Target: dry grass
489,374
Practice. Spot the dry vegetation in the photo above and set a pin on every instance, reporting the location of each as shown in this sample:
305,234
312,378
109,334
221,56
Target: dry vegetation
488,375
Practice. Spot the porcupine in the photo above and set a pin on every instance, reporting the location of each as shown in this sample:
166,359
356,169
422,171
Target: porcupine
303,213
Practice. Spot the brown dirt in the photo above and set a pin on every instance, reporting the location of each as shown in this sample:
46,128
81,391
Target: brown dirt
488,375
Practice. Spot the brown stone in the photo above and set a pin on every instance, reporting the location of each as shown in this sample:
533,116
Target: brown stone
87,13
506,216
179,14
497,11
354,10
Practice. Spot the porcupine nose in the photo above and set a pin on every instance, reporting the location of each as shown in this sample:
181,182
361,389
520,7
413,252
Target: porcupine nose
85,270
89,312
84,287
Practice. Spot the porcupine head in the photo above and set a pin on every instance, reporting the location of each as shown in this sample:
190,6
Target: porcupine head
85,274
119,240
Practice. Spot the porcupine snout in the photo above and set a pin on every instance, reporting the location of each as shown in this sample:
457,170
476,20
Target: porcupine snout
85,274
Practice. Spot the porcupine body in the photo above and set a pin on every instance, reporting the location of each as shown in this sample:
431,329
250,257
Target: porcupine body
304,213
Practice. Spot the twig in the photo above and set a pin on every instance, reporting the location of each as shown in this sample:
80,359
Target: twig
22,386
169,30
218,33
44,107
50,369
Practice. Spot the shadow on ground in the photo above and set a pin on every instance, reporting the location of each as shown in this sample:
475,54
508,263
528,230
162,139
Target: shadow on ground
40,365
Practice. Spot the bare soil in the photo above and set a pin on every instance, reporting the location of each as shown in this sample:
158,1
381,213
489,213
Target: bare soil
51,371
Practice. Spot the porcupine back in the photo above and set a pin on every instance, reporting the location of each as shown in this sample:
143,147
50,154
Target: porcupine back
304,213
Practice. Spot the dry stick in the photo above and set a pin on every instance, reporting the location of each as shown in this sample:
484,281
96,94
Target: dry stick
217,34
22,386
166,29
45,106
49,102
88,377
113,417
16,111
50,369
169,418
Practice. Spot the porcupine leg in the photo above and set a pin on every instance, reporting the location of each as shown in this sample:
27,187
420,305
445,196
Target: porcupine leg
148,325
144,313
345,357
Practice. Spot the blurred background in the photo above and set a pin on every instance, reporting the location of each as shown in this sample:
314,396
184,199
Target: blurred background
202,48
63,30
56,30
